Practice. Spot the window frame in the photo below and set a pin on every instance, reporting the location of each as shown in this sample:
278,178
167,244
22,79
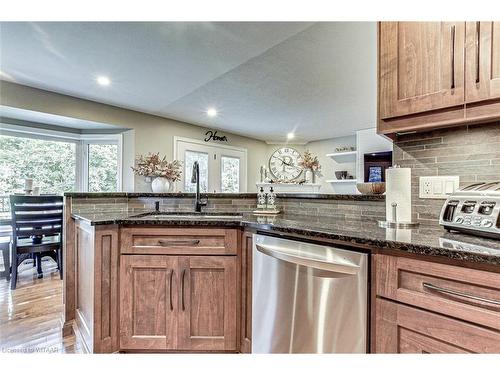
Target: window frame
81,142
219,151
100,139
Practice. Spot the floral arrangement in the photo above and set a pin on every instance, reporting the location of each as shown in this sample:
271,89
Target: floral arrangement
153,165
310,162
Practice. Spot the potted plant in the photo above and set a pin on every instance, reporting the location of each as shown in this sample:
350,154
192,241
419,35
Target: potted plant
311,166
160,171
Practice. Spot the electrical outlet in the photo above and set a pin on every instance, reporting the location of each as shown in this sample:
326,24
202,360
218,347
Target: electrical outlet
427,187
437,187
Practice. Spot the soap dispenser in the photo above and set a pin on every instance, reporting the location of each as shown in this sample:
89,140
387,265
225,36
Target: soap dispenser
271,200
261,199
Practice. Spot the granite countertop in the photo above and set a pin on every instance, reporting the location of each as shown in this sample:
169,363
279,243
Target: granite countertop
352,197
425,240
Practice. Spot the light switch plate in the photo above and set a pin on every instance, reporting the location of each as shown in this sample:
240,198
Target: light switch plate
437,187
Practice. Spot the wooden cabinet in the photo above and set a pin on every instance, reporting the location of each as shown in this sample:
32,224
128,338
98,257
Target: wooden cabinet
421,67
148,302
207,310
179,302
94,285
436,74
482,77
455,291
483,61
404,329
246,293
179,241
427,307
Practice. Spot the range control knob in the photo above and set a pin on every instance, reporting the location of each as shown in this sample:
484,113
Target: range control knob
459,220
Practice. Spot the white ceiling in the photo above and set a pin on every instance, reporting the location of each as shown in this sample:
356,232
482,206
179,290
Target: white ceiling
265,79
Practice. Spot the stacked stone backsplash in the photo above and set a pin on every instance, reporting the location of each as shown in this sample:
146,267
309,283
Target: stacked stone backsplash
341,208
471,152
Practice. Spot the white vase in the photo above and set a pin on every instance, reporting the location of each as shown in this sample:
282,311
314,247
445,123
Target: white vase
161,185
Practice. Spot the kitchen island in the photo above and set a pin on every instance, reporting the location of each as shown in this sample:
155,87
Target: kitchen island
173,281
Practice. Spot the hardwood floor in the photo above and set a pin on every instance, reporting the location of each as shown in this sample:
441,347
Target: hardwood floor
31,315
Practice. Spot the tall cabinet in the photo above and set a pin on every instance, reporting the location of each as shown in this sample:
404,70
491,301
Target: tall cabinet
435,74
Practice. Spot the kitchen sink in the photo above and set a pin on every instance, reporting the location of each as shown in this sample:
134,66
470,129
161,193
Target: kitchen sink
188,216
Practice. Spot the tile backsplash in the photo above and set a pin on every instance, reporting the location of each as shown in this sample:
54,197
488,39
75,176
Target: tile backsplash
331,207
471,152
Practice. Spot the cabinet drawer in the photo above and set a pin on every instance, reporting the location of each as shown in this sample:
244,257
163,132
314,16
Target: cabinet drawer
404,329
180,241
467,294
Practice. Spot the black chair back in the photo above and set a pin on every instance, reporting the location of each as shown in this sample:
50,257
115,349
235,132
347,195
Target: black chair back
40,215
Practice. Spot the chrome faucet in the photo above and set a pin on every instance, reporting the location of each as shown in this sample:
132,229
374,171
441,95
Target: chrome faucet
195,179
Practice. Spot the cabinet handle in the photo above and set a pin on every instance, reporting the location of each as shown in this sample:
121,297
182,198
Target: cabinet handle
478,47
460,294
453,57
171,279
178,242
182,288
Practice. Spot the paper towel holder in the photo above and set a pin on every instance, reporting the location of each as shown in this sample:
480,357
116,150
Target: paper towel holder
396,224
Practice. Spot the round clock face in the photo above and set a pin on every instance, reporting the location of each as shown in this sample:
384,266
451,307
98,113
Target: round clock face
284,164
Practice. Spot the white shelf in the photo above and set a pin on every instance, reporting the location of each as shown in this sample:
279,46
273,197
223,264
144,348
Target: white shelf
346,181
290,188
342,154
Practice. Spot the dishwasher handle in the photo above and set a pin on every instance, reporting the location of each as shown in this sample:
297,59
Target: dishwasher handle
342,268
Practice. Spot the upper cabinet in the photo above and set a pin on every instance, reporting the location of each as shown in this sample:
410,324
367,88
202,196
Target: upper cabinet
421,67
430,72
483,60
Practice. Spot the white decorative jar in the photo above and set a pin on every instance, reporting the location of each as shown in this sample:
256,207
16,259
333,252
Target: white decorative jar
161,185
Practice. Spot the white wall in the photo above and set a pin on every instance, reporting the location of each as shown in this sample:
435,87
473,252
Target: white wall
329,166
365,141
155,134
128,152
150,133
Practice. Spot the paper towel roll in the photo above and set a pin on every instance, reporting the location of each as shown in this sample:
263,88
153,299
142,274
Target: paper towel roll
398,190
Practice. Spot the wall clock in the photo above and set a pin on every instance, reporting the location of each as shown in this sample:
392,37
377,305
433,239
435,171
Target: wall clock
284,164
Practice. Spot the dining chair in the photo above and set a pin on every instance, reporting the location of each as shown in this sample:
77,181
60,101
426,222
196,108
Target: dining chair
37,226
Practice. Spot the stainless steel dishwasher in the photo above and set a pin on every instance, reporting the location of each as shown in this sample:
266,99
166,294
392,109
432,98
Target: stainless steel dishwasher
308,298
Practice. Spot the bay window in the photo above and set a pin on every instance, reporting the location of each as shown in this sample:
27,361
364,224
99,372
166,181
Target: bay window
58,161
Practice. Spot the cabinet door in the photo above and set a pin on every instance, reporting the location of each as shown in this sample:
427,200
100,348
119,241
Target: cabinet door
482,61
403,329
148,302
246,293
421,67
207,303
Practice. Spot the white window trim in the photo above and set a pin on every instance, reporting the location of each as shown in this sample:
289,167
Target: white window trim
80,140
99,139
243,181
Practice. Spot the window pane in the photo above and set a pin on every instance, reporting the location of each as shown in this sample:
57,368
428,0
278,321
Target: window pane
230,174
189,158
103,167
51,165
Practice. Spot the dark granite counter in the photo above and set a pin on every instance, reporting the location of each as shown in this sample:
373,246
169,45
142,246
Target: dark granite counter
426,240
352,197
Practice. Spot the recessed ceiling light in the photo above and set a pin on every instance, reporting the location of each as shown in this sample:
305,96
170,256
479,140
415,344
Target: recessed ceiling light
290,136
211,112
103,80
